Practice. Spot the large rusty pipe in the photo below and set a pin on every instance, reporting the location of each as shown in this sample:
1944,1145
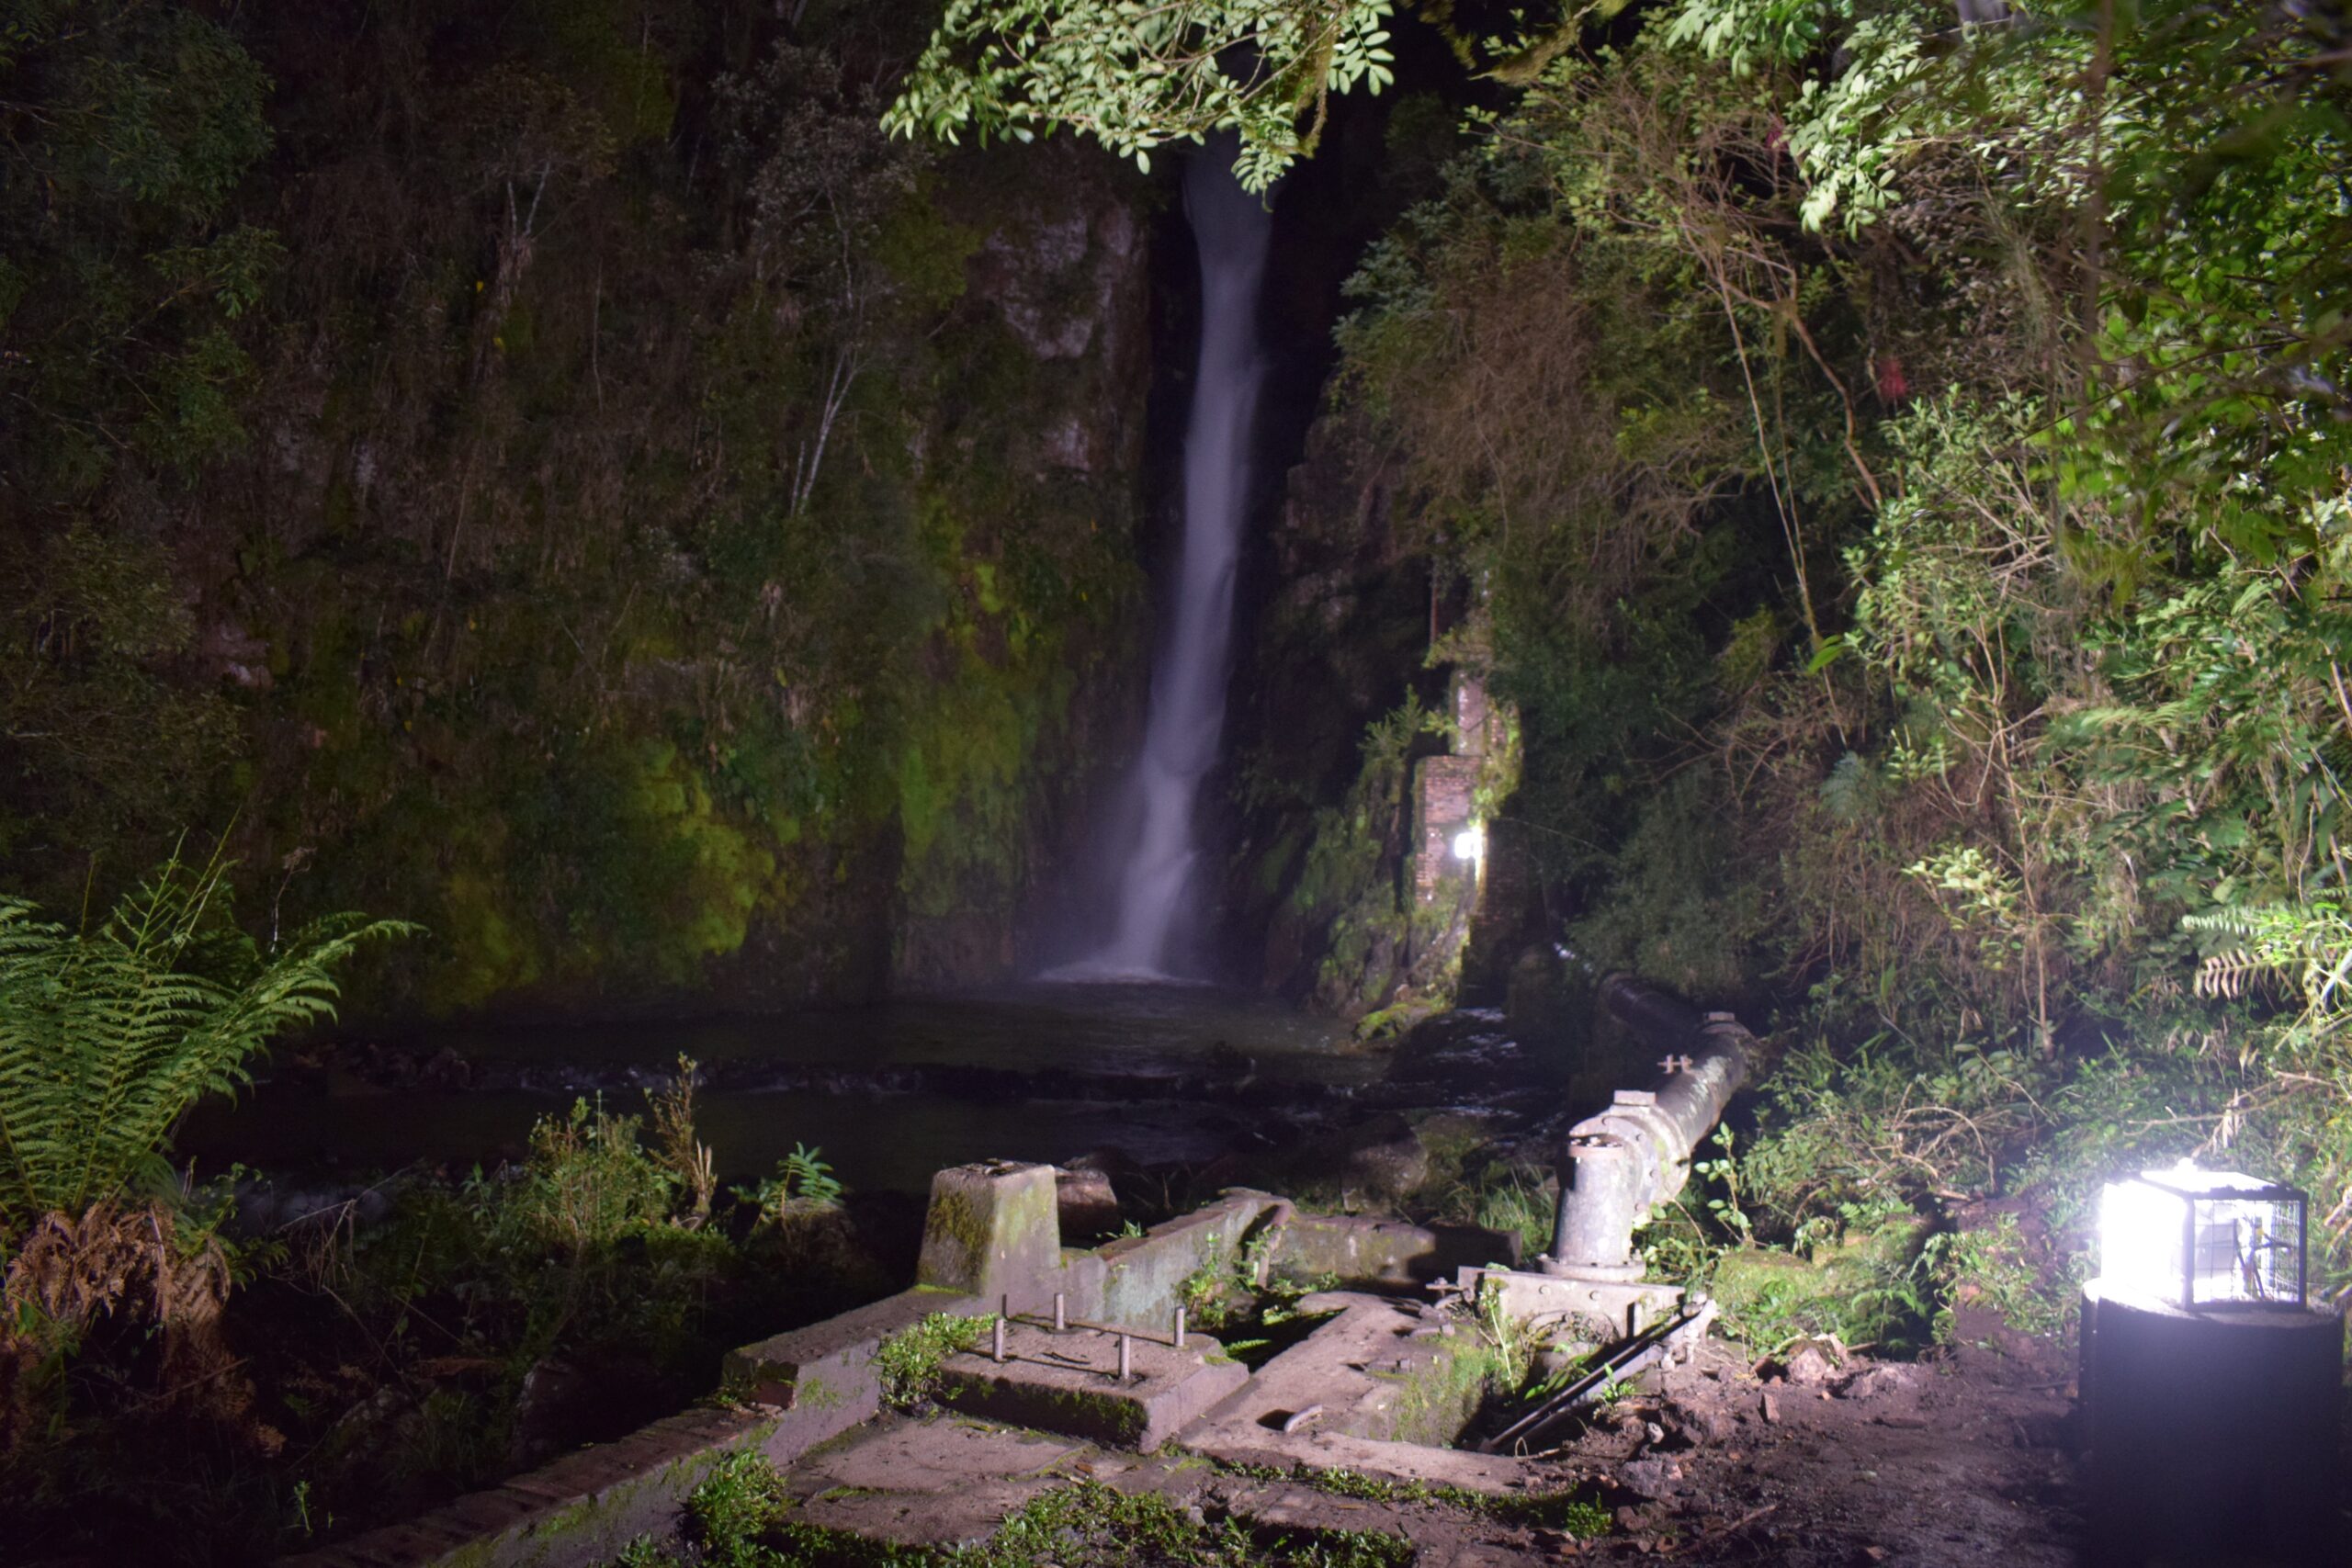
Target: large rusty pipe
1635,1155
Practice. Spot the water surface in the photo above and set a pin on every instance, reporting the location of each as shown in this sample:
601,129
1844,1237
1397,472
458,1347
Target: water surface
1117,1065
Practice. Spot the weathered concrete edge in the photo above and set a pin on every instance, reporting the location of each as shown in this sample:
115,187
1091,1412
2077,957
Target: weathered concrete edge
814,1384
817,1382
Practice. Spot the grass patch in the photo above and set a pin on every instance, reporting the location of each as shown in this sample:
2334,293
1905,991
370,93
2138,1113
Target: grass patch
1572,1512
908,1360
741,1518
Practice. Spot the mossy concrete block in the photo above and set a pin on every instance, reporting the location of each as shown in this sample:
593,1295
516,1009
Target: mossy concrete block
579,1510
1069,1382
823,1376
1357,1249
1144,1276
1380,1368
993,1230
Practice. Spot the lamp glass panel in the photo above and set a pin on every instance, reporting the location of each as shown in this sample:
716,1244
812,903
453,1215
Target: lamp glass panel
2139,1238
2202,1238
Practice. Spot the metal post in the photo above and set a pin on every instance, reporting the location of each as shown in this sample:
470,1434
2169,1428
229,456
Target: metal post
996,1347
1061,1312
1180,1328
1126,1357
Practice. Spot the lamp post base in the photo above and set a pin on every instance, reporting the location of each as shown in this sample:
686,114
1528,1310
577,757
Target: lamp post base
2211,1434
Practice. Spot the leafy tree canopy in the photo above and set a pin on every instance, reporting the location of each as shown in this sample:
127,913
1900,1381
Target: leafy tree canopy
1135,74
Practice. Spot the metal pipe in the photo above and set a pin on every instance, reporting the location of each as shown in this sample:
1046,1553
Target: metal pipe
1636,1154
1620,1363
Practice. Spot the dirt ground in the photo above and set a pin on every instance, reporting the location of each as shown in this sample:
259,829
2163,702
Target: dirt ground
1816,1462
1962,1463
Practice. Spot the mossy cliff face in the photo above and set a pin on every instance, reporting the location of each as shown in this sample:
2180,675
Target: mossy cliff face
680,542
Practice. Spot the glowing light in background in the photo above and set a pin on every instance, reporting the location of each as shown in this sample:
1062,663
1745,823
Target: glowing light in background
2202,1238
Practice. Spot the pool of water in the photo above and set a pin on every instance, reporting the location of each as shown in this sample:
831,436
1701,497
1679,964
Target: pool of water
875,1132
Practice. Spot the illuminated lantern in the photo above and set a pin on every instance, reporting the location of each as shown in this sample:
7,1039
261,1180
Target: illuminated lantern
2203,1238
2209,1384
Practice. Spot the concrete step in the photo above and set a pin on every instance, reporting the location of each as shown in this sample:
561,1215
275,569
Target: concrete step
1068,1381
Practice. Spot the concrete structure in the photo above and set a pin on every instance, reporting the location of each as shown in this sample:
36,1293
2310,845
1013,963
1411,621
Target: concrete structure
1069,1382
1381,1371
1444,792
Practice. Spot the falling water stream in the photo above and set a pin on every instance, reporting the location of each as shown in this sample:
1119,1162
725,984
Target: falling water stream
892,1092
1153,938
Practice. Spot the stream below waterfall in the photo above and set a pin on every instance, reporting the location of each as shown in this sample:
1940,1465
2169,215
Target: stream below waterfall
1165,1074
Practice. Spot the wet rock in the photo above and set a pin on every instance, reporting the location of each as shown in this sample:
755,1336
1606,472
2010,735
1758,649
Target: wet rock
1387,1157
446,1069
1086,1203
1227,1061
549,1400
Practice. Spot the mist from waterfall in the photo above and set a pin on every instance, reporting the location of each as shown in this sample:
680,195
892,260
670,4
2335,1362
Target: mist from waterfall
1157,916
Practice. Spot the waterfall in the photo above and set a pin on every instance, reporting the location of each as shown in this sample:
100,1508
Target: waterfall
1186,722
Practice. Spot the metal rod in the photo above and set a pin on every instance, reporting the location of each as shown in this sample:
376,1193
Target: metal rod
1090,1326
1061,1312
1179,1340
1631,1356
1126,1357
996,1347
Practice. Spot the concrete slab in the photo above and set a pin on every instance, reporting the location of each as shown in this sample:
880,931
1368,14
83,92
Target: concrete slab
1597,1310
939,1482
1069,1382
903,1455
1377,1369
1490,1474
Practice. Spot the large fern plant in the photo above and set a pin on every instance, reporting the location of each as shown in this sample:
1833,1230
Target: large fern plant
107,1037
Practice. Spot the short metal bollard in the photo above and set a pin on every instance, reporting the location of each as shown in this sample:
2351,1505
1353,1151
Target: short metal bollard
1126,1359
996,1346
1061,1312
1180,1328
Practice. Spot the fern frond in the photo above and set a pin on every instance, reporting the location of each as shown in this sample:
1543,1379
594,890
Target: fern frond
106,1038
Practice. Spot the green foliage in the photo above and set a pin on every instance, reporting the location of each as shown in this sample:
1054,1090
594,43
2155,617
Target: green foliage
2021,349
664,583
1990,1268
1133,78
129,128
107,1037
727,1512
588,1181
401,1345
802,1182
742,1516
908,1361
